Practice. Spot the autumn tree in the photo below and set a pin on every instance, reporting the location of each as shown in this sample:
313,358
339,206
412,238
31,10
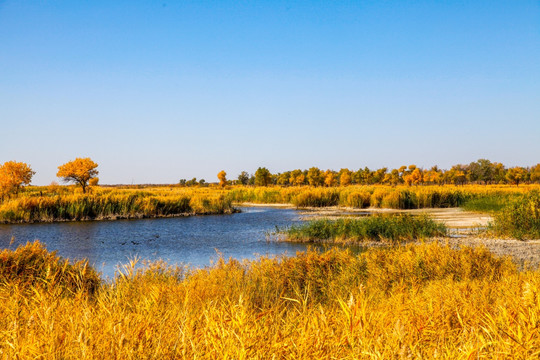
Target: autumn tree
314,176
263,177
481,170
345,177
222,176
363,176
297,177
191,182
457,174
516,175
392,177
499,173
93,181
243,178
283,179
330,178
535,173
78,171
13,175
433,175
416,176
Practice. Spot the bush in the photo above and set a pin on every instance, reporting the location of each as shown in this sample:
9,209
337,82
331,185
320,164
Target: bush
32,265
521,218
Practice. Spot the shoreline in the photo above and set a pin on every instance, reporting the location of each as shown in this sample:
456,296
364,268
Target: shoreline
118,217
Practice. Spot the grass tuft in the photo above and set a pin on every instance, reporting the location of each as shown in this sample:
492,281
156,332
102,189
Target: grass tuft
393,228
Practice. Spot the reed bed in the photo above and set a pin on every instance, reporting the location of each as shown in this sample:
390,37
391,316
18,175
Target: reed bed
381,196
59,203
428,301
392,228
112,204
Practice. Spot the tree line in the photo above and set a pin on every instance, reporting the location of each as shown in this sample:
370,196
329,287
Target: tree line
83,172
481,171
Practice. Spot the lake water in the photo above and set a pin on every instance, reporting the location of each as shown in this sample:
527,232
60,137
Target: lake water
192,240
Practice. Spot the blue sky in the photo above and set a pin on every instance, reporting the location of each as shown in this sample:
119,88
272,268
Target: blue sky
158,91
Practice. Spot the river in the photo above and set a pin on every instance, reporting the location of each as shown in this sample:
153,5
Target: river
194,241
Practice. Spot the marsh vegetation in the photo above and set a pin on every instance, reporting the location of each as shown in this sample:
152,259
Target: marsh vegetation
424,301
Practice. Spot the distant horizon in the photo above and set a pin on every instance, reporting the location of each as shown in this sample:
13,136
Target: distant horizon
157,92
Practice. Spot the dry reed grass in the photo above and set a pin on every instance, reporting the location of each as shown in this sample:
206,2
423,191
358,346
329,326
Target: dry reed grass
61,205
421,302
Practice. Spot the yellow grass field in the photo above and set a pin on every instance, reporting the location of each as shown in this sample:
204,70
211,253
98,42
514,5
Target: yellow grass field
420,302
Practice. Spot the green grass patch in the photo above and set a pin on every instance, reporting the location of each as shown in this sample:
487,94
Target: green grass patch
401,227
520,219
489,204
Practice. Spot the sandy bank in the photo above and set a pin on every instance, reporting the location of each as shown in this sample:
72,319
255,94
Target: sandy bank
524,253
452,217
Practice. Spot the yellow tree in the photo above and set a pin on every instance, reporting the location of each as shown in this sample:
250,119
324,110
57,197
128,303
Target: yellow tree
93,181
345,177
415,177
222,176
79,171
13,175
314,176
330,178
535,173
516,175
297,177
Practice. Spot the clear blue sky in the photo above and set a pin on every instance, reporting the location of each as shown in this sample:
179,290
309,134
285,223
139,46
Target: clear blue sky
158,91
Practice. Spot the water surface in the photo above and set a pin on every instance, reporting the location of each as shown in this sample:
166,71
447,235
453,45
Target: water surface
192,240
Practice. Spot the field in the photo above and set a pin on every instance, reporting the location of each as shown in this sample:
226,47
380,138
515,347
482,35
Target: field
426,301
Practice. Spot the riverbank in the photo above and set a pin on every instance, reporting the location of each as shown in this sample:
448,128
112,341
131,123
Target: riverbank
454,218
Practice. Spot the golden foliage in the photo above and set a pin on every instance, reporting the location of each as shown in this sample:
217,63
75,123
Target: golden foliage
13,175
345,177
330,178
79,171
93,181
222,176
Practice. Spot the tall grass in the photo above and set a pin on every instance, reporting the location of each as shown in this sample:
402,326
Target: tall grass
490,203
427,301
31,267
380,196
520,219
111,204
54,203
371,228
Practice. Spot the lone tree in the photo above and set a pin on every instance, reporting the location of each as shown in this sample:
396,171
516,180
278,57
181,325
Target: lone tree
79,171
222,176
13,175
